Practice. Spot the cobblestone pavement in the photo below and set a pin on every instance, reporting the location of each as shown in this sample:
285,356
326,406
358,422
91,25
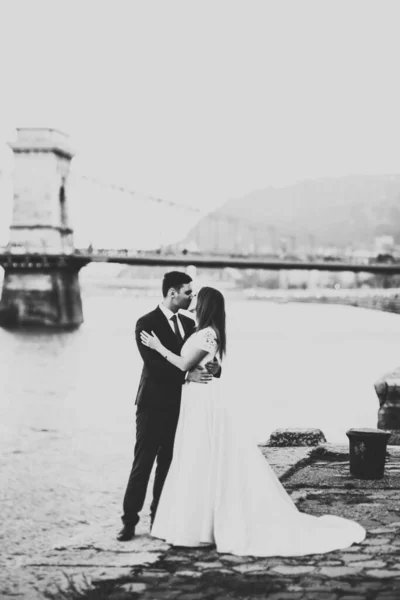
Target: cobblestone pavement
320,483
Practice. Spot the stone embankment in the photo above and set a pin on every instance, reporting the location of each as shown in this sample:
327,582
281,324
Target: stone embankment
317,477
385,299
387,389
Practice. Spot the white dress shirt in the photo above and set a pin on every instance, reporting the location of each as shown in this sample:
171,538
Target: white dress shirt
169,314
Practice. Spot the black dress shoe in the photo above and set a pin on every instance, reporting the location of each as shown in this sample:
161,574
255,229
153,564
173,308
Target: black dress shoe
127,533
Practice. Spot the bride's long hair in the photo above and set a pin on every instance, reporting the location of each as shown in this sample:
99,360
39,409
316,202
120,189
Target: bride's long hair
210,312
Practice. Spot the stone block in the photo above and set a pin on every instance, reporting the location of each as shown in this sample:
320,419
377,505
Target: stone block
383,573
334,572
293,570
296,437
133,587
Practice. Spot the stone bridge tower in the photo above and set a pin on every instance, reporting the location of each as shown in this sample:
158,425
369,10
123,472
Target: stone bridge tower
41,285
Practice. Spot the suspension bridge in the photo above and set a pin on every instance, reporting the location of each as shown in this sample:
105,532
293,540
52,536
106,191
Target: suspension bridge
214,240
121,226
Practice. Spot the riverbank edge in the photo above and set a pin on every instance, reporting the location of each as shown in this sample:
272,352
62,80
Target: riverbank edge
383,299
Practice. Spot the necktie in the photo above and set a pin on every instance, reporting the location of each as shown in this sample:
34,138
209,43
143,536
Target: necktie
174,319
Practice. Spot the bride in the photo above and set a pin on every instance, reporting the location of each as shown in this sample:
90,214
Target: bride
220,489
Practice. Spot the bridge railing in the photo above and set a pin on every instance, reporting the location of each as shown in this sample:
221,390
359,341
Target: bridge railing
300,257
176,252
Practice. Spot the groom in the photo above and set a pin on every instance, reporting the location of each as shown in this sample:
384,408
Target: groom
158,397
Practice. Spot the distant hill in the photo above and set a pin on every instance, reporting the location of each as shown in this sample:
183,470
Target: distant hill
341,212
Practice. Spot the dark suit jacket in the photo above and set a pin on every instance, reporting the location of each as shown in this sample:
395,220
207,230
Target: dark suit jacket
161,383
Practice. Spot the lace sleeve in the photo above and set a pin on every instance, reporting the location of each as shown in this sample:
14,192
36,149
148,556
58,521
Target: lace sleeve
206,339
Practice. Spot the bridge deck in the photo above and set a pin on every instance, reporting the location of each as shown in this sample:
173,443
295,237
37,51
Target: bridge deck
35,260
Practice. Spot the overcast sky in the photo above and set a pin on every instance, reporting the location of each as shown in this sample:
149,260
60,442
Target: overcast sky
199,101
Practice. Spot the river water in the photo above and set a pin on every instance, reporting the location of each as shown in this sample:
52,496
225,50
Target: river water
67,399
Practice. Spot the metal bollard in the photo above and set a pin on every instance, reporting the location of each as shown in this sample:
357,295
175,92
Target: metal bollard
367,452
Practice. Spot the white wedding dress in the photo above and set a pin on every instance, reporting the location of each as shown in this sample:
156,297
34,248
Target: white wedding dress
221,490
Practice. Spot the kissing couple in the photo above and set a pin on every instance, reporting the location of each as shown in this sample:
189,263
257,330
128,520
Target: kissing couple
212,484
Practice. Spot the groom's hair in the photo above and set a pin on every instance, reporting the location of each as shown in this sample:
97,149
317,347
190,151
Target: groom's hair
174,279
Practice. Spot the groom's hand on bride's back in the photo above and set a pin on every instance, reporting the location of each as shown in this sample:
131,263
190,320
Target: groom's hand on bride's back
199,375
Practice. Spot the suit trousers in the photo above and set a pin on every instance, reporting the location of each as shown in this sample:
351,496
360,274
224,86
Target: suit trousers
155,434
